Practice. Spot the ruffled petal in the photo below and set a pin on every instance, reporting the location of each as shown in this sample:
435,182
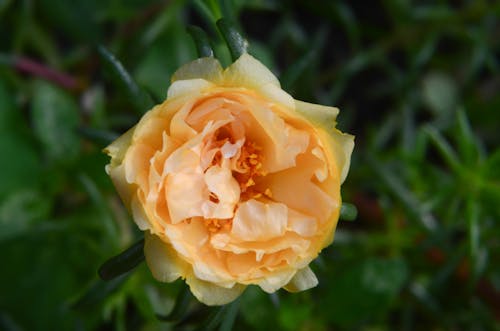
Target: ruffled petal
303,280
212,294
162,259
257,221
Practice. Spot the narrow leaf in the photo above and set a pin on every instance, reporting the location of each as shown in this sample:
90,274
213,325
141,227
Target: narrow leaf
182,302
230,316
201,41
140,99
123,262
98,292
235,42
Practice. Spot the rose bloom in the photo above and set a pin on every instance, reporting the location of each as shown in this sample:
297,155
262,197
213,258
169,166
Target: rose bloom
233,181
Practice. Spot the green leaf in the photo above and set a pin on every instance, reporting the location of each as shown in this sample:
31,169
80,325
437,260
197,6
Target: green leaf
365,290
235,42
138,97
55,119
201,41
230,316
178,312
98,291
123,262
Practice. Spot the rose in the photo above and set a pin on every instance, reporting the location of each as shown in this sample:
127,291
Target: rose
233,181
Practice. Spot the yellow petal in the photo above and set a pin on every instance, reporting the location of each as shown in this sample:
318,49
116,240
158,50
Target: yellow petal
162,259
124,189
273,282
319,115
190,87
248,72
339,148
212,294
207,68
138,214
303,280
118,148
257,221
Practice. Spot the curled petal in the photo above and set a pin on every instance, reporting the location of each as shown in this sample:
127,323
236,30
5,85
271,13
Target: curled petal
303,280
212,294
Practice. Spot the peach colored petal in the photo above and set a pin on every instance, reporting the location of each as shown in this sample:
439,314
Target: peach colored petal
186,194
302,224
257,221
220,181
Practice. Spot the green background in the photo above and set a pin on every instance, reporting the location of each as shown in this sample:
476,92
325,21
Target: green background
417,82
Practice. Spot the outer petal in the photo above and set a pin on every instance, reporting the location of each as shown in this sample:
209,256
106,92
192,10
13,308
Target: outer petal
211,294
118,148
272,283
338,144
319,115
162,259
248,72
339,148
207,68
304,279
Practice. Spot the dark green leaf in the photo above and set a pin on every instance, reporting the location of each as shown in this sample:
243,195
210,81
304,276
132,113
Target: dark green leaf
98,292
184,298
123,262
230,316
139,98
235,42
201,41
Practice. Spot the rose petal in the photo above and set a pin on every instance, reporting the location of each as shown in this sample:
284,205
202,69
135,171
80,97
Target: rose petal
302,224
257,221
207,68
212,294
162,259
273,282
303,280
248,72
186,193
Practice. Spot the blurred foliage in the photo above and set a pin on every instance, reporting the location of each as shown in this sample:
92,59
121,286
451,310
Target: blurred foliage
417,82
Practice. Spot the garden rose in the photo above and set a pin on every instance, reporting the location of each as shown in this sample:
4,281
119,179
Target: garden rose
233,181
